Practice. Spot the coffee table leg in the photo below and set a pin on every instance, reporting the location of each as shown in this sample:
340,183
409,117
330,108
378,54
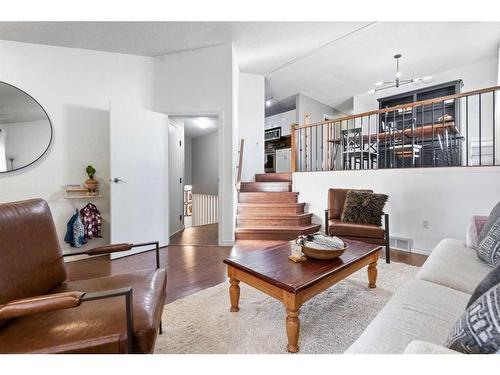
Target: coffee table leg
292,330
372,275
234,294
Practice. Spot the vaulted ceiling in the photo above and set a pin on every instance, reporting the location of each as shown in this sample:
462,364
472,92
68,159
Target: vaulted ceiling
329,61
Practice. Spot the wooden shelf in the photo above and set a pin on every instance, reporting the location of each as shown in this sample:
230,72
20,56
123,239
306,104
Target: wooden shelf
79,192
83,196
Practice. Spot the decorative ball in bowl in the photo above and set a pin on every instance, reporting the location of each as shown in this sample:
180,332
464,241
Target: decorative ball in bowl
320,246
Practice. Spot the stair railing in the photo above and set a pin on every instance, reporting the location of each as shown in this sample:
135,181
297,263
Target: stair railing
240,164
454,130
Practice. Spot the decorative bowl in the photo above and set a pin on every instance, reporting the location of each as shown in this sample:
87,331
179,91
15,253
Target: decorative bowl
323,254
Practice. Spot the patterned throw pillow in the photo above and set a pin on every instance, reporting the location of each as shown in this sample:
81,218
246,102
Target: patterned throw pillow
475,226
364,208
491,279
494,215
489,248
478,329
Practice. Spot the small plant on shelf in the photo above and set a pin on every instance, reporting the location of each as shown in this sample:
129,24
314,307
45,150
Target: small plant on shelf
91,184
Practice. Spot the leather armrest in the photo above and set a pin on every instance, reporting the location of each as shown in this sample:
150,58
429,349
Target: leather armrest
39,304
109,249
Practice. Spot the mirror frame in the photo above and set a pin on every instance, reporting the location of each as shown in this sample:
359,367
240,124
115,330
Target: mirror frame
50,126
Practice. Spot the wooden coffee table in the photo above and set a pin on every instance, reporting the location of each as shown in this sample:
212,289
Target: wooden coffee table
271,272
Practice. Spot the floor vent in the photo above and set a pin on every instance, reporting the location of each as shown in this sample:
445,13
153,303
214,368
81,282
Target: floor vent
399,243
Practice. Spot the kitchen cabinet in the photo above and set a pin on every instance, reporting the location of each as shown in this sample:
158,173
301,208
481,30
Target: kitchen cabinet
282,120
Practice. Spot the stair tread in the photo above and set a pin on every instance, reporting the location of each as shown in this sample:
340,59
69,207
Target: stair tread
264,204
277,228
273,216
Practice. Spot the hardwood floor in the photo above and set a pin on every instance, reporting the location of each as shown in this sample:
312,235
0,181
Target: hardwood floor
206,235
190,268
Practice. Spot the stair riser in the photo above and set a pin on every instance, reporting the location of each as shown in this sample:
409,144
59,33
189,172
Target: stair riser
267,197
266,187
243,222
299,209
273,177
266,236
283,236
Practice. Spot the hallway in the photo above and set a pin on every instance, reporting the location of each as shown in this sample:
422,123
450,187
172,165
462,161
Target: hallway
203,235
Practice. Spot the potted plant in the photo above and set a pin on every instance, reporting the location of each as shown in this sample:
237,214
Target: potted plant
91,184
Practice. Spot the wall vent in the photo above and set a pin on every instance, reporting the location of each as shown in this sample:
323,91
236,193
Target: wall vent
405,244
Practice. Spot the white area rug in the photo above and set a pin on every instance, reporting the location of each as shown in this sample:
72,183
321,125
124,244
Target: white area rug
330,322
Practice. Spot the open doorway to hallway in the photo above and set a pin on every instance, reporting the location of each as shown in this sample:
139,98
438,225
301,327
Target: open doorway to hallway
194,187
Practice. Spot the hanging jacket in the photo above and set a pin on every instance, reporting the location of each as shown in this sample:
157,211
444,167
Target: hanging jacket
92,221
78,231
68,238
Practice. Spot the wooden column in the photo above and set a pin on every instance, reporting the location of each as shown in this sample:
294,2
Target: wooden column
293,160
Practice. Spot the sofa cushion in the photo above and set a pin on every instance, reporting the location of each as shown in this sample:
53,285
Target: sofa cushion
364,208
454,265
478,329
494,215
420,310
341,228
101,323
489,248
491,279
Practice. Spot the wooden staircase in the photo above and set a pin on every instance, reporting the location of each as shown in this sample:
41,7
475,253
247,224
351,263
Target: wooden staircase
268,210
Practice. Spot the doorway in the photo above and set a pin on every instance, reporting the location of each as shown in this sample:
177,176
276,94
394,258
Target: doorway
194,191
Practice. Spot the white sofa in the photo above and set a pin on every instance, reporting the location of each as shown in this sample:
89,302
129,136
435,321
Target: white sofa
419,317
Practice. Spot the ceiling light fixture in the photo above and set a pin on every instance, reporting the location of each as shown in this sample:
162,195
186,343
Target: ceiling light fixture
269,101
203,122
397,81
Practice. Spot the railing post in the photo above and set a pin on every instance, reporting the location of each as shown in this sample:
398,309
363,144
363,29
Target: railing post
293,141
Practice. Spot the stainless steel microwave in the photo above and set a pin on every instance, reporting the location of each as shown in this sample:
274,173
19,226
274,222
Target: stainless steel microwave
272,134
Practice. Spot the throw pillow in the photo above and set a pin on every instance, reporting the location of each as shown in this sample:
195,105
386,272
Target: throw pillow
478,329
489,248
491,279
364,208
494,215
475,226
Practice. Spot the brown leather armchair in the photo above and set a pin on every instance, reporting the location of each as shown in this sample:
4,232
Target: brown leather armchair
334,226
41,312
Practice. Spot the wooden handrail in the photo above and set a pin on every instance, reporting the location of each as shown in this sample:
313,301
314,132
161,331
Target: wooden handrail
240,163
402,106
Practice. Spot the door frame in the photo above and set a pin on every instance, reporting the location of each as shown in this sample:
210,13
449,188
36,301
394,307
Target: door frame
220,136
182,137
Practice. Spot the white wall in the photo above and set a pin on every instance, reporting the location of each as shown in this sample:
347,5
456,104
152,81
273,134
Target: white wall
251,123
188,161
316,110
75,87
203,81
205,164
445,197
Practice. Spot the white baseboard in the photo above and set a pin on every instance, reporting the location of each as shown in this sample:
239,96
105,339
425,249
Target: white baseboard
226,243
416,251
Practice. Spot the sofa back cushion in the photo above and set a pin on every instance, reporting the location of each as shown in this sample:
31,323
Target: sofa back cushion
30,257
336,201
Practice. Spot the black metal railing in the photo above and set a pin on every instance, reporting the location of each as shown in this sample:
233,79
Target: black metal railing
454,130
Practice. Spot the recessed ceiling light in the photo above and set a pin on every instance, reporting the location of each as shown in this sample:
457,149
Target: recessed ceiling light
269,102
379,83
203,122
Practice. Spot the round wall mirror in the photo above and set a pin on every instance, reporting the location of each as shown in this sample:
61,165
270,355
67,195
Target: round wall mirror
25,129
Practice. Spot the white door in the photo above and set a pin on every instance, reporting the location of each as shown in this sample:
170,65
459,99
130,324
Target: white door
139,177
175,177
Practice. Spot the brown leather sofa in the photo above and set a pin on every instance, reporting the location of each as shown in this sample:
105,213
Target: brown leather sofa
334,226
41,312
